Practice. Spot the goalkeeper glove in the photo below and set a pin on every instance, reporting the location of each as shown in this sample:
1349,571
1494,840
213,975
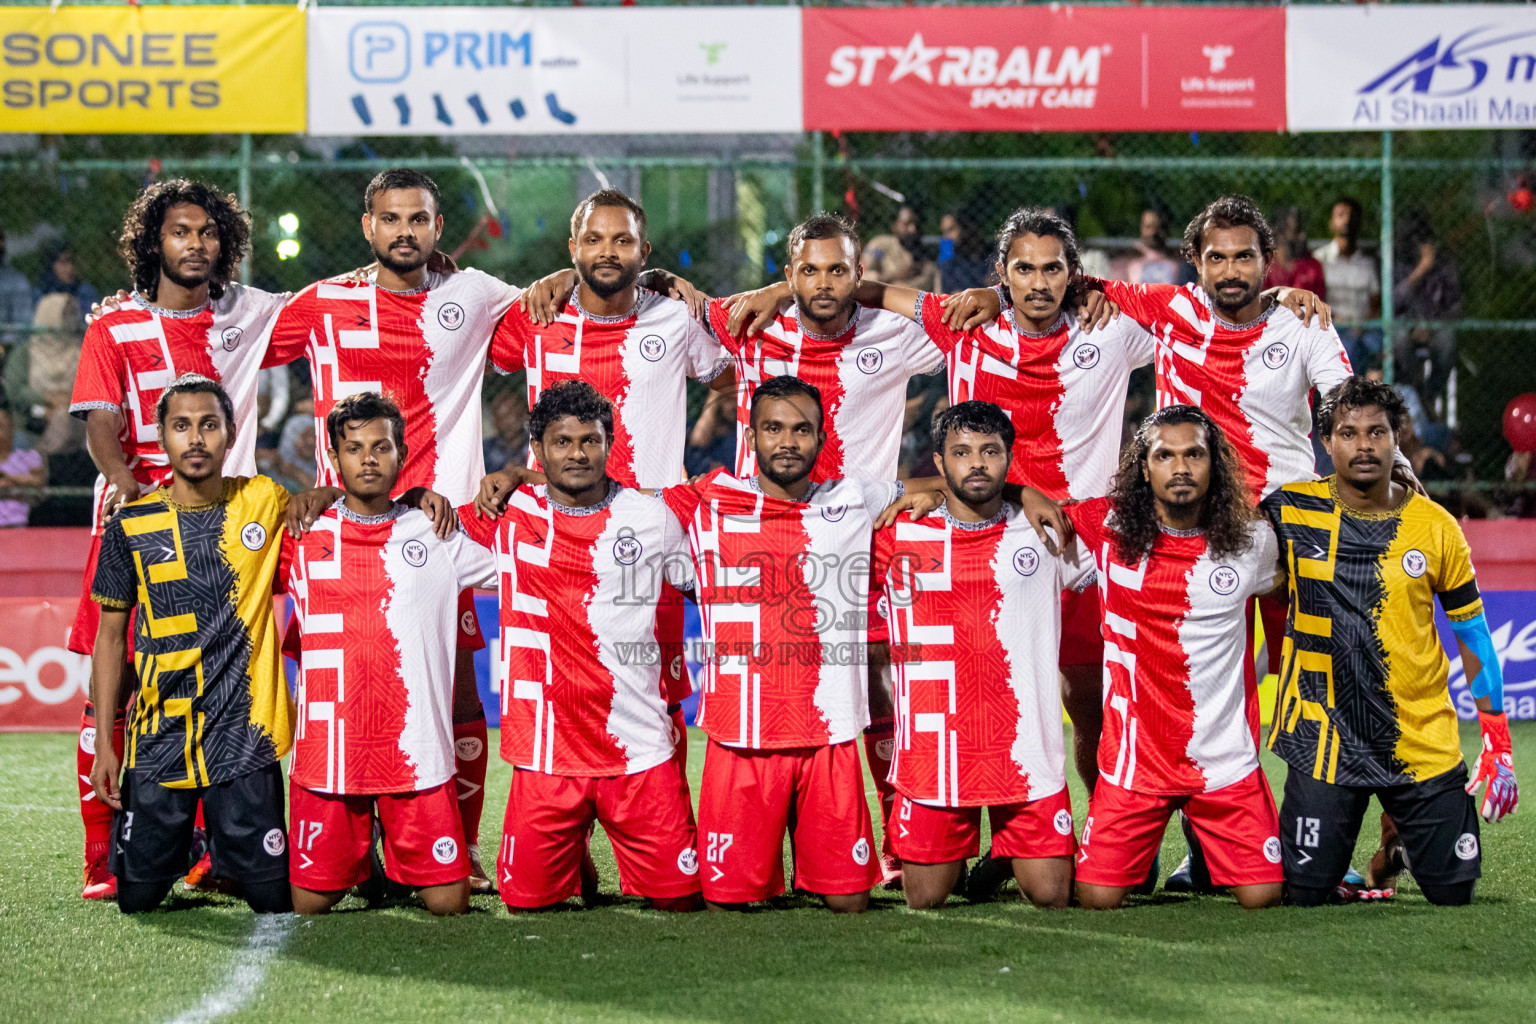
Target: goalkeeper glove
1496,770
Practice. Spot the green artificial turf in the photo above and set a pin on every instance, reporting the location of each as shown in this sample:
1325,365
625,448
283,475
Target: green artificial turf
1167,958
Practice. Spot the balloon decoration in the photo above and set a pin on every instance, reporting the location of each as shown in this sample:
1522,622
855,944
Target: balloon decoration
1520,423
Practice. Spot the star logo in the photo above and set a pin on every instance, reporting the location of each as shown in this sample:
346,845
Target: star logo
914,59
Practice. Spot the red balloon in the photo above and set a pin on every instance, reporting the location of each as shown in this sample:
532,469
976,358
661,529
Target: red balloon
1521,200
1520,423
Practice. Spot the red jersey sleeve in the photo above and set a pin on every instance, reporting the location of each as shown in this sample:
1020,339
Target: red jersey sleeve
481,531
930,314
1147,304
1088,520
509,344
685,499
719,325
99,378
285,555
289,334
882,551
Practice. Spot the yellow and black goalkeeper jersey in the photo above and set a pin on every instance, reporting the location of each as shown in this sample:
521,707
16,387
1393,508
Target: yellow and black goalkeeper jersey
212,702
1363,696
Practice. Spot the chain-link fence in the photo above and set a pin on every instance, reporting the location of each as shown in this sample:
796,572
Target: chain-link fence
1452,210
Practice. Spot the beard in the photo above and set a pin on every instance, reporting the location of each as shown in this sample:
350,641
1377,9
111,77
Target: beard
608,288
398,265
187,281
969,495
807,313
1226,305
781,478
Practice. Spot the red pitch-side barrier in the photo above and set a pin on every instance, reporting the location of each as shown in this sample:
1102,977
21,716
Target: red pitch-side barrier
42,683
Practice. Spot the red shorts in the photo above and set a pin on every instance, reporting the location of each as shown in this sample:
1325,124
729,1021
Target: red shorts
1238,826
331,836
82,635
470,637
648,818
749,798
940,835
675,681
1273,612
679,740
1082,642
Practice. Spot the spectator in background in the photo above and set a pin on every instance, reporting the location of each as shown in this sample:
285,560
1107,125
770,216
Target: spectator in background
898,258
1294,265
294,464
40,375
15,300
712,439
60,275
18,468
1354,284
1152,264
1426,287
927,396
964,253
506,443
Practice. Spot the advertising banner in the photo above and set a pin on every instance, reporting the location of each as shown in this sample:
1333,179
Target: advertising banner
182,70
527,71
1045,69
42,684
1441,66
1512,620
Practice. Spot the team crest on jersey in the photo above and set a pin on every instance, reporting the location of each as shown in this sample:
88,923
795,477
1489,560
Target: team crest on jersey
230,338
1085,356
627,549
832,513
468,748
1026,561
445,850
885,749
1414,562
861,851
451,316
467,622
869,360
677,666
1466,846
883,606
1063,822
254,536
1272,849
415,553
274,842
88,739
688,861
1224,580
653,347
1276,355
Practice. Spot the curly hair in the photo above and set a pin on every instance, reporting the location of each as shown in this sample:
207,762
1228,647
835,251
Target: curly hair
140,245
1228,508
976,417
572,398
1234,211
363,407
1029,220
1360,393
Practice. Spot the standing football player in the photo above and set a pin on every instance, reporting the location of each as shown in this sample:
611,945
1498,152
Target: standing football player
196,560
1363,707
978,708
375,590
1181,552
182,241
584,718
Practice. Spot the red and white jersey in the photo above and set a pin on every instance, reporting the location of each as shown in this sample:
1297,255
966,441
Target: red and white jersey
639,362
862,376
1181,708
1063,390
132,354
424,348
1255,380
582,691
783,592
376,598
974,614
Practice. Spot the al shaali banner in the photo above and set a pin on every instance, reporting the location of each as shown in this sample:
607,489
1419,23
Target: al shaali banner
1442,66
176,70
500,71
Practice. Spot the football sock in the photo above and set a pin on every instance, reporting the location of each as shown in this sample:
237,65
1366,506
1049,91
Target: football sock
96,816
470,756
879,745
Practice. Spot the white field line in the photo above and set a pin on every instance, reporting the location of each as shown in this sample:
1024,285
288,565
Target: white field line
247,971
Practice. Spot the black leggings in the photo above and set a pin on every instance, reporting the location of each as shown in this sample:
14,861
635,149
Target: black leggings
1455,894
263,897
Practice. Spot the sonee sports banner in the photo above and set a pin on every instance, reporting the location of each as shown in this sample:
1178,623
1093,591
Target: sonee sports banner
1045,69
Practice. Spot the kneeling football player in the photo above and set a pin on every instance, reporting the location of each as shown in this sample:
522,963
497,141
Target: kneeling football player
580,561
1181,551
972,599
376,588
196,561
1367,558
